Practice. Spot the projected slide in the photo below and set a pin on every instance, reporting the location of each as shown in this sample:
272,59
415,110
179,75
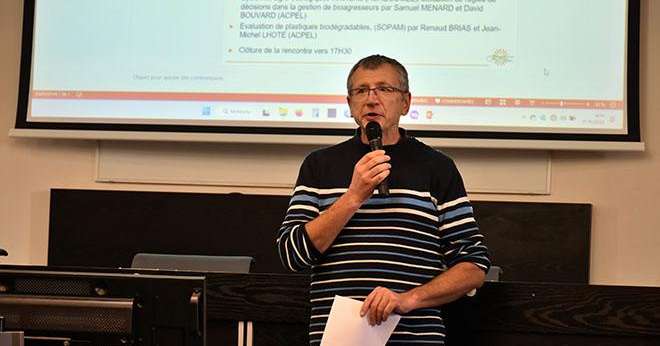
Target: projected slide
493,65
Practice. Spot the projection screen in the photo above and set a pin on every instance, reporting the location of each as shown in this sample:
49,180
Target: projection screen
527,70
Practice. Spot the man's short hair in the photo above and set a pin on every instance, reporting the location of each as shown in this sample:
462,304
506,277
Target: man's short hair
373,62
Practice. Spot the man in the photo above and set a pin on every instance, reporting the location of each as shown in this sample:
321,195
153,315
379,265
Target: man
408,252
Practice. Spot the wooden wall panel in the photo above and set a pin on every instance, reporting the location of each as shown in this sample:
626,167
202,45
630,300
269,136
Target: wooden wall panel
530,241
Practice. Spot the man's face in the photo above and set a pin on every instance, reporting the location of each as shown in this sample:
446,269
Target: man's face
383,108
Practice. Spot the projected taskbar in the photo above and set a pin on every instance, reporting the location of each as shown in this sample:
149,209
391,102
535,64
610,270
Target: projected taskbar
189,107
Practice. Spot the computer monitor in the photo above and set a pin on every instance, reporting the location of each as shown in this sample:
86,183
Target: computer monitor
103,307
196,263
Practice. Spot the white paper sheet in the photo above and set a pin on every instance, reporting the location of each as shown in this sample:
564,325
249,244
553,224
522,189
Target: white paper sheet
345,327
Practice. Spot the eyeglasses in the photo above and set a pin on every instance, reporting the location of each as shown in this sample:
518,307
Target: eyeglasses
362,93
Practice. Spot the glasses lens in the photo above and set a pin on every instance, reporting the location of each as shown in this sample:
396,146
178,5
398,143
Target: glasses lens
363,93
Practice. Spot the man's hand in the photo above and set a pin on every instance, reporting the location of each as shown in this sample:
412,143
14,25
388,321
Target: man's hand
369,171
381,302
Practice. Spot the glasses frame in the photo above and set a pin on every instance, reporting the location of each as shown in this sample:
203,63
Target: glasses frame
379,90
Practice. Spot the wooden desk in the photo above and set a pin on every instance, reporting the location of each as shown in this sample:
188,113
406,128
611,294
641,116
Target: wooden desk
502,313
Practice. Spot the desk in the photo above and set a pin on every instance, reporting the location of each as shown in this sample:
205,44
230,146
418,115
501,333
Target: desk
502,313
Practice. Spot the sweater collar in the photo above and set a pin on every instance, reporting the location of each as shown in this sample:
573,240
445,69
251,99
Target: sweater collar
403,138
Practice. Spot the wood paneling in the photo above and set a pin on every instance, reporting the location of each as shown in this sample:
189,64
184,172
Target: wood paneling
530,241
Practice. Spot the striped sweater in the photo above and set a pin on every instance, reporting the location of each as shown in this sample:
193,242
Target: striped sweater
401,241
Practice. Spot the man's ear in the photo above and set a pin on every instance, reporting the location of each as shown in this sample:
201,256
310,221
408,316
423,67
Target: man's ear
406,100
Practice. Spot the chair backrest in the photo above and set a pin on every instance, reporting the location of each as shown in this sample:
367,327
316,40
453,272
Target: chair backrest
494,273
227,264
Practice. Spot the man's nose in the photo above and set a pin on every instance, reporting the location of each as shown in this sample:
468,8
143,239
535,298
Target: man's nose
372,97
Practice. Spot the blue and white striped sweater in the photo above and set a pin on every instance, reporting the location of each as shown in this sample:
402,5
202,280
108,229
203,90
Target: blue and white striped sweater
399,241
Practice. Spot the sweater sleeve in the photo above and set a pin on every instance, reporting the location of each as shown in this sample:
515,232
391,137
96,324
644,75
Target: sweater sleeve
296,250
460,238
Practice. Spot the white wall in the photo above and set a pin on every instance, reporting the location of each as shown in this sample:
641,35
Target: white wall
623,187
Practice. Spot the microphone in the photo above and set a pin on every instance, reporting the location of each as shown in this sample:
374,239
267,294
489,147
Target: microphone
375,137
3,252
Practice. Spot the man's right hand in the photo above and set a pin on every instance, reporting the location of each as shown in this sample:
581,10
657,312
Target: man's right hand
372,168
369,171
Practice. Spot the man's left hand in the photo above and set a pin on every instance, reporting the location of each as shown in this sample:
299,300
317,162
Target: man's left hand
381,302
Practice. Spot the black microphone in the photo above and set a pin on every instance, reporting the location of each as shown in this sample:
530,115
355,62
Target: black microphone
375,137
3,252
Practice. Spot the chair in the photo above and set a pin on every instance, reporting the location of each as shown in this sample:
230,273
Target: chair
227,264
494,273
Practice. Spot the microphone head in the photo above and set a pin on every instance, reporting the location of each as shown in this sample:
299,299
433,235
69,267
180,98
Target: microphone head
373,130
